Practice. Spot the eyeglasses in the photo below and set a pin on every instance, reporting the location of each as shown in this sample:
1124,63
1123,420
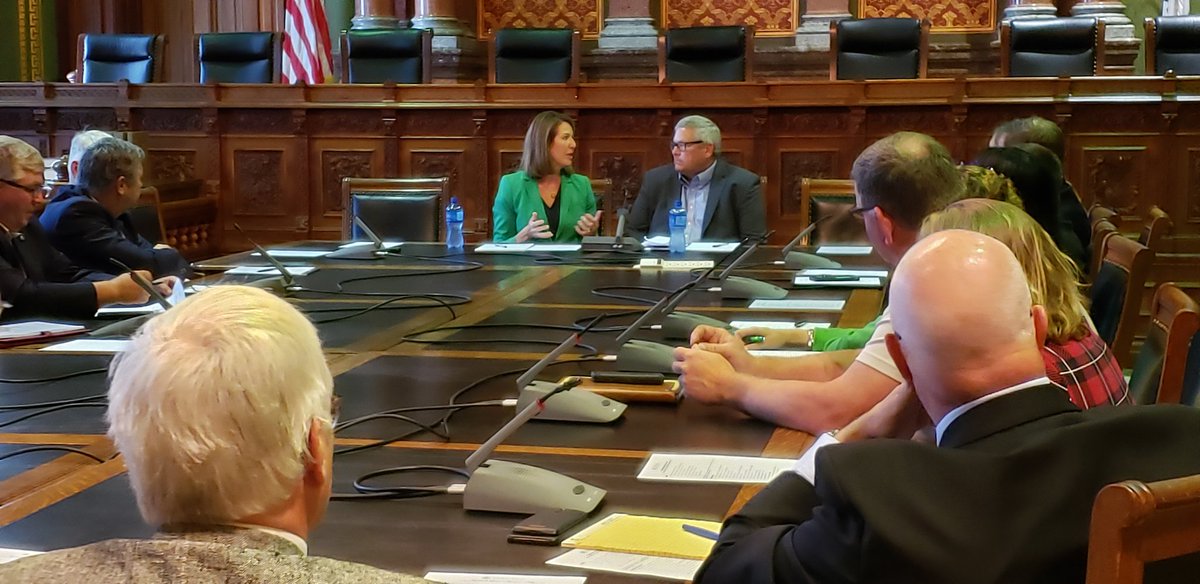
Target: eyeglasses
684,145
42,191
335,409
858,212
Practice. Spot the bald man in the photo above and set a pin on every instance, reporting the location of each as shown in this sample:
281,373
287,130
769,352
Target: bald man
1006,493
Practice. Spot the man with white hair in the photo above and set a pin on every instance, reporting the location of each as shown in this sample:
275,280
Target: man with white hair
231,457
724,202
89,221
1004,496
79,145
35,278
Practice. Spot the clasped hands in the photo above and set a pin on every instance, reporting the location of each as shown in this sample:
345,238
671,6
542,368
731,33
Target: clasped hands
538,229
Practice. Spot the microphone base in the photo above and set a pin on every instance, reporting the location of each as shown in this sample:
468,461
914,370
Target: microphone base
646,357
359,252
750,289
124,328
511,487
609,243
679,325
274,285
572,405
798,260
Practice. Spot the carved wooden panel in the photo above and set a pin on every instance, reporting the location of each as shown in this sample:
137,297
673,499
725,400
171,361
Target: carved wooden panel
796,165
166,166
823,122
510,161
258,184
344,122
625,169
1108,118
768,17
15,119
86,119
335,166
1114,177
619,123
586,16
1192,185
259,121
951,16
932,121
984,119
169,120
509,123
436,123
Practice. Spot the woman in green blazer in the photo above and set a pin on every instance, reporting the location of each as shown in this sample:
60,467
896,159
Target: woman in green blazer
545,199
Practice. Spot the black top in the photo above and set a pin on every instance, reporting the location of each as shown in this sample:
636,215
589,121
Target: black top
38,280
554,212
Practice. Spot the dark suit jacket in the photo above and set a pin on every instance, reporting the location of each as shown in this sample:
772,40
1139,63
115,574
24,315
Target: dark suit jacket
735,208
1073,218
38,280
83,230
1006,498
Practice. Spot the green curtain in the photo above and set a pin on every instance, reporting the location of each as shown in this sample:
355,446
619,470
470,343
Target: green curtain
28,40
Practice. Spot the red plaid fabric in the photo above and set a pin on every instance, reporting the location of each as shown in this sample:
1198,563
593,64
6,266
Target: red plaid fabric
1088,371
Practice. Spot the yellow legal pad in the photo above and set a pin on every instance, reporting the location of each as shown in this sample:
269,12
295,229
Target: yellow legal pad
641,534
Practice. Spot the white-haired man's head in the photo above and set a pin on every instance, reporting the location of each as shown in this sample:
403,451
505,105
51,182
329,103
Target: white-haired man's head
965,325
222,409
79,146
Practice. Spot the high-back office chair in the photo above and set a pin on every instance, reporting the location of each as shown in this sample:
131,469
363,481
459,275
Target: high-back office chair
108,58
1173,44
1097,212
147,216
534,55
1101,231
706,54
400,209
1117,293
832,198
1052,47
602,190
1159,370
1157,226
402,55
878,48
1136,523
238,57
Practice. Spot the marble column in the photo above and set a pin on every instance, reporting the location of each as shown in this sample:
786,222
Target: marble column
629,26
449,31
813,32
1117,26
374,14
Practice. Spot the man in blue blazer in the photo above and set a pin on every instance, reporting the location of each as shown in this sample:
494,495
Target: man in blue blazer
1004,496
724,202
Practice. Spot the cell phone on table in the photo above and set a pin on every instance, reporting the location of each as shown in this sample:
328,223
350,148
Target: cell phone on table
546,527
833,278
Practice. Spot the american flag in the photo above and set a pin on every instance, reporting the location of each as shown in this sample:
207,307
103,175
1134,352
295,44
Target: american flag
306,53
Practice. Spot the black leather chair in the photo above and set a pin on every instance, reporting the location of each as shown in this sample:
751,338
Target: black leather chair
534,55
1117,293
1173,44
237,57
1158,373
401,55
878,48
147,217
108,58
396,209
830,201
1052,47
706,54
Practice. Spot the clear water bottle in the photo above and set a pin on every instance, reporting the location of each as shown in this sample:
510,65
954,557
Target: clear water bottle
677,221
454,224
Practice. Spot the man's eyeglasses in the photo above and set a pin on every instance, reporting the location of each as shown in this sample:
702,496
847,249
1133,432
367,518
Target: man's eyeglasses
857,212
41,191
684,145
335,409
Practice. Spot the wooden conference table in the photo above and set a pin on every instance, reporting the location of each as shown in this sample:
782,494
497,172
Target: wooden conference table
50,500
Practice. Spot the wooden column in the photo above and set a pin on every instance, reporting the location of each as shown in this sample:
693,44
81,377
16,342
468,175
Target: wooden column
374,14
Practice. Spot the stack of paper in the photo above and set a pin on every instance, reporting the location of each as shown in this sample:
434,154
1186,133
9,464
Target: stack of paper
777,324
102,346
479,578
632,564
295,253
806,304
504,248
712,468
844,250
25,332
269,271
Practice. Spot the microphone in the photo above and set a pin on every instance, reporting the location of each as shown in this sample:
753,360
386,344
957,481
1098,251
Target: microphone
747,288
649,356
143,284
377,249
801,260
679,325
128,326
618,242
283,284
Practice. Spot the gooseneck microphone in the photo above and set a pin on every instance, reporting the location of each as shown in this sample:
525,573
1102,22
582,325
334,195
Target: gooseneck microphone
282,284
747,288
800,260
377,249
128,326
618,242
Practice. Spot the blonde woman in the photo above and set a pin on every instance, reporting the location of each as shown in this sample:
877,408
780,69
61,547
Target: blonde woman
1076,357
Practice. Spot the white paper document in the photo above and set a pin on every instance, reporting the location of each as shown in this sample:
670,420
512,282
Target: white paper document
473,578
777,324
386,244
713,246
296,253
9,554
856,282
778,353
634,564
657,241
809,304
126,310
504,248
270,271
553,247
23,330
712,468
862,273
844,250
103,346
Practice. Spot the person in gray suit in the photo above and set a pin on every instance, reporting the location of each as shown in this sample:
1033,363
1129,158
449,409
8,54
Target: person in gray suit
223,408
724,202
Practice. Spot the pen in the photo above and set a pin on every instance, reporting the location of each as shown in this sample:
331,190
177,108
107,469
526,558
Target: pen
753,339
700,531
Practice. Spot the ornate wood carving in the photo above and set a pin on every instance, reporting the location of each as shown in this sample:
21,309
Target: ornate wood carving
825,122
510,161
438,164
335,166
625,170
582,15
1117,118
258,184
1193,185
435,123
14,119
1114,177
346,122
170,120
75,120
931,121
615,123
983,120
509,124
259,121
769,17
797,165
166,166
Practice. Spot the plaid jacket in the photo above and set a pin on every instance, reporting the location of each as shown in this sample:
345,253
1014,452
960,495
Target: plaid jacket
1088,371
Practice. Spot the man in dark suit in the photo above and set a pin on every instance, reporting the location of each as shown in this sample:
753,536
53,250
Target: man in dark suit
724,202
1006,494
35,278
90,221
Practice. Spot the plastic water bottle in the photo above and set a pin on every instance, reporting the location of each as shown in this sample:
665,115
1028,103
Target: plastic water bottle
454,224
677,221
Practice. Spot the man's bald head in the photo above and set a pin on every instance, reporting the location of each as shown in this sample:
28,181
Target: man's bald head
964,319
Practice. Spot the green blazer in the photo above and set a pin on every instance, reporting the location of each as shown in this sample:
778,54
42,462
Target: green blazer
517,199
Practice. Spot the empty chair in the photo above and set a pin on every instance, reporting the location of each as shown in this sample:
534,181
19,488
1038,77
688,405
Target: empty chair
1157,226
402,55
1173,44
878,48
1052,47
534,55
1101,231
108,58
238,57
706,53
1159,370
147,216
396,209
1117,293
830,201
1145,532
1097,212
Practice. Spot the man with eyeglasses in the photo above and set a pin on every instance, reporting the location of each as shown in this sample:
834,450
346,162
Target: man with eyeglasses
35,278
724,202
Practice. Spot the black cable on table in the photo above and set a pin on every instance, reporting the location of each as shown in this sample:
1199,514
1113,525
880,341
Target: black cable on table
437,298
602,292
68,449
49,404
57,377
51,410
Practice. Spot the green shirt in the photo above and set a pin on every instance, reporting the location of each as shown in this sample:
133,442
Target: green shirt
517,199
837,339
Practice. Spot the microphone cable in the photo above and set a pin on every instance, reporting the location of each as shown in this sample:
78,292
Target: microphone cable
68,449
384,305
